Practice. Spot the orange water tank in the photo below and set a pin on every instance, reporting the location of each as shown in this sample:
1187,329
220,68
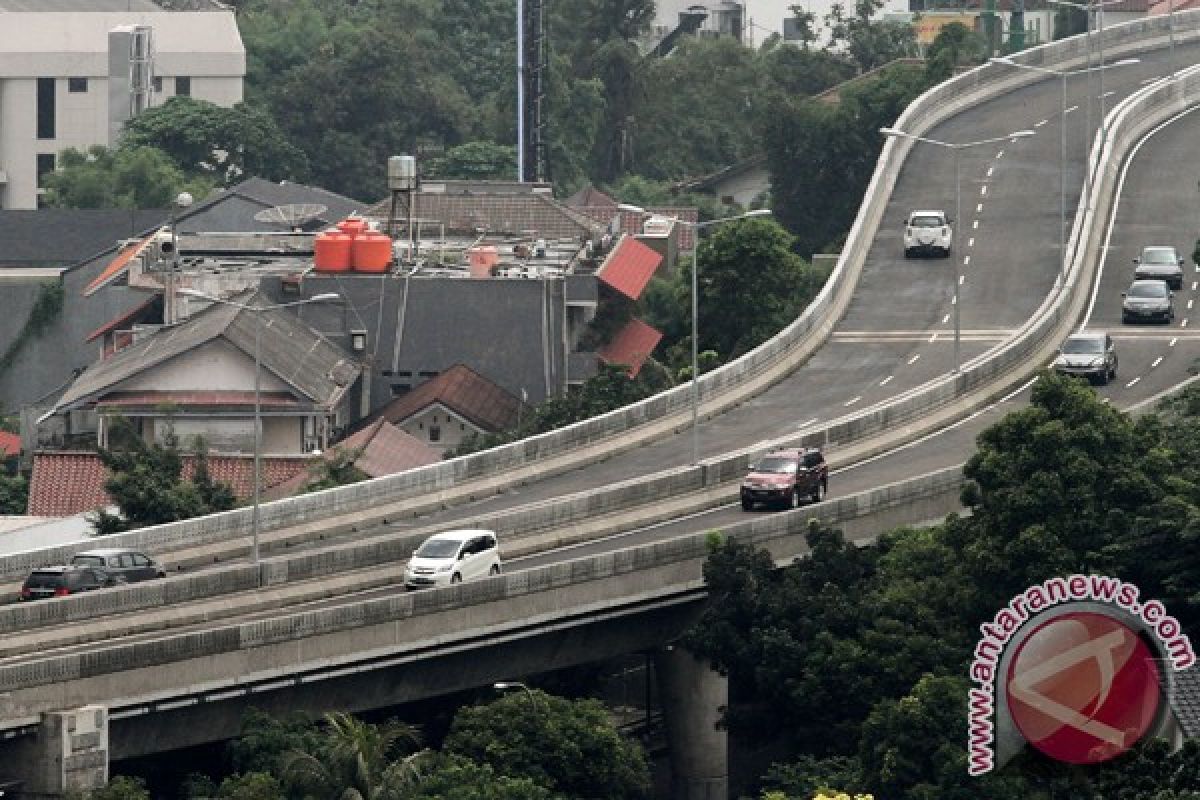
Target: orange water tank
353,226
371,252
481,259
331,251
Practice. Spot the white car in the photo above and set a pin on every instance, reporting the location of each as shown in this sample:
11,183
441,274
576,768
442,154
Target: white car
928,232
452,557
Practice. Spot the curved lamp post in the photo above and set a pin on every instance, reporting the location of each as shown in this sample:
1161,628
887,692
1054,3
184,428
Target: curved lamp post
695,226
258,311
957,147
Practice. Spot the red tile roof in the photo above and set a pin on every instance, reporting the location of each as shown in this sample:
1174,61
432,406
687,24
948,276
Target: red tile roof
124,319
10,443
118,265
191,399
632,345
629,267
590,196
463,391
68,483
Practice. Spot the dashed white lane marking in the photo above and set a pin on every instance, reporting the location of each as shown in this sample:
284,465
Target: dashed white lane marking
1173,341
1184,323
1132,382
1190,304
976,225
1072,108
1157,361
1040,124
971,242
1145,81
1000,154
933,338
913,360
886,380
983,190
979,208
945,319
852,400
953,300
962,279
990,171
806,423
1194,285
966,262
1106,94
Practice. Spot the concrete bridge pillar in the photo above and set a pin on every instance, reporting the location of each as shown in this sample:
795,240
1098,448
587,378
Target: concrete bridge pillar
69,753
692,695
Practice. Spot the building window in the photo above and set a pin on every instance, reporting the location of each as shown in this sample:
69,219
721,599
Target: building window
158,84
183,86
45,108
45,165
435,433
77,85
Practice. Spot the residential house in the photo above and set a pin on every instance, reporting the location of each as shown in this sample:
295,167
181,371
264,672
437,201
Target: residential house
72,72
737,184
454,405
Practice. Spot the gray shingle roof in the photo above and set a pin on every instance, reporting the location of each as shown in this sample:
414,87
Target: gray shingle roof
308,362
61,237
1186,702
511,213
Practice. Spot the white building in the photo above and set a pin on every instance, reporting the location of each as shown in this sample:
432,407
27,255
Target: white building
752,21
71,76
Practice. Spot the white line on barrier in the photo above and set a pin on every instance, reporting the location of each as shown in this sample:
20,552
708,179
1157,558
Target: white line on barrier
1173,341
886,380
913,360
1072,108
1132,382
1040,124
1157,361
852,400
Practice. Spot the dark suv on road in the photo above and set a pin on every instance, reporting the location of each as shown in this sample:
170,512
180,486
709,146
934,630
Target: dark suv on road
66,580
131,565
782,477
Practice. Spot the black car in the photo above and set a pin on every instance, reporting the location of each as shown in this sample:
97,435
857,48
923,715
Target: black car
65,580
131,565
1148,301
1160,262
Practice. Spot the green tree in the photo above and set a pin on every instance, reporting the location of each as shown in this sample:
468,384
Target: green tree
355,761
567,746
250,786
14,494
265,738
226,145
130,177
476,161
147,484
338,469
870,42
457,778
119,787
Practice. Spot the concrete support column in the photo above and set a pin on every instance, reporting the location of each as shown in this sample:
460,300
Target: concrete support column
692,695
69,753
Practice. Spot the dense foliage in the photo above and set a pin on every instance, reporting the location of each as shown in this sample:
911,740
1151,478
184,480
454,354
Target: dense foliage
855,657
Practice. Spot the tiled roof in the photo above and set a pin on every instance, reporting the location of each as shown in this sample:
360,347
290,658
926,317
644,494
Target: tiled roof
511,213
10,443
1158,7
463,391
1186,701
386,450
290,349
632,345
591,196
138,313
629,267
60,237
118,266
68,483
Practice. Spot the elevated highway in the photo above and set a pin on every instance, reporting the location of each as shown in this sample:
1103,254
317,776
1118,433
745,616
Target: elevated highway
884,349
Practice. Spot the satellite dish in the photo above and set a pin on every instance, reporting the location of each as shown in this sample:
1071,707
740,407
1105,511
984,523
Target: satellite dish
293,215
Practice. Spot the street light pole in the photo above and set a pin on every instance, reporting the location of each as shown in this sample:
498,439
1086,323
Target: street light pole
956,147
258,311
697,226
502,686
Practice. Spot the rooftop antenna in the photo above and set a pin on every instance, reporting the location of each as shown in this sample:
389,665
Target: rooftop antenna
293,216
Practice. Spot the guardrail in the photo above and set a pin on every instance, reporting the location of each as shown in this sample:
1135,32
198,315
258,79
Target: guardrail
915,500
1000,368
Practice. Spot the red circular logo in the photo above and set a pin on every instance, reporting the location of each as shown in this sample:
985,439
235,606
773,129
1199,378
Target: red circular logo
1083,688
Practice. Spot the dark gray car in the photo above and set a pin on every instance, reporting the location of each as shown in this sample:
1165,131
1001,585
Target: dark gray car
1148,301
1160,262
131,565
47,582
1088,354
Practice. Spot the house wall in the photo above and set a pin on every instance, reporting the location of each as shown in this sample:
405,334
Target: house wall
450,428
216,364
744,187
204,46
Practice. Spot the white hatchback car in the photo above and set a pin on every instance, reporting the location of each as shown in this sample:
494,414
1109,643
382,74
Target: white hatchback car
927,232
452,557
